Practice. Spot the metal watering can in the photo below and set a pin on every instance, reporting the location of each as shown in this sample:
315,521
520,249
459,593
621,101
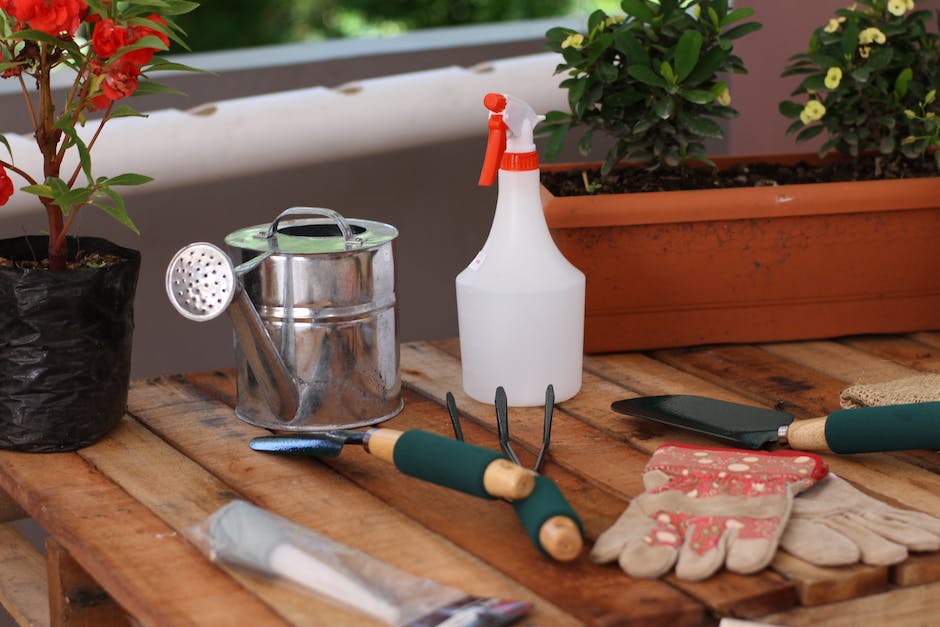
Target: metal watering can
314,312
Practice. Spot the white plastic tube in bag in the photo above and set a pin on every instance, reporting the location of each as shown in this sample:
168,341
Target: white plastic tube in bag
244,535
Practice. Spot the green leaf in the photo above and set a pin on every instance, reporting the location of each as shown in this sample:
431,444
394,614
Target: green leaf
741,30
850,38
556,140
34,35
64,124
117,211
790,109
128,179
665,107
125,111
710,63
666,71
809,132
638,10
736,16
3,140
39,190
697,96
702,126
687,54
644,74
147,88
586,142
73,198
626,42
160,64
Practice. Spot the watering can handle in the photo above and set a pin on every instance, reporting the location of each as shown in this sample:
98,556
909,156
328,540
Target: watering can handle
352,241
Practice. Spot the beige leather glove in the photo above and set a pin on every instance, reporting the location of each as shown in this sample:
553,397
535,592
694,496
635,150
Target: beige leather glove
707,507
835,524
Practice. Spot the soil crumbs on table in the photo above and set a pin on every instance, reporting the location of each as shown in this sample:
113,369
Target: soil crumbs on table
580,182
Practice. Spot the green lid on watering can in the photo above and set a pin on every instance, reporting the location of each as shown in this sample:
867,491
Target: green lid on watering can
321,231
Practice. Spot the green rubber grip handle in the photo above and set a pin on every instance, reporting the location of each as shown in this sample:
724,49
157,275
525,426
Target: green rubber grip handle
450,463
885,428
545,502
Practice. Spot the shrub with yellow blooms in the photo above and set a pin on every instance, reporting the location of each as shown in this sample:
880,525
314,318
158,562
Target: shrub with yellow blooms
870,79
652,79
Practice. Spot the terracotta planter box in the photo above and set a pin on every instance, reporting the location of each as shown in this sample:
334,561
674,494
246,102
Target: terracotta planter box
753,264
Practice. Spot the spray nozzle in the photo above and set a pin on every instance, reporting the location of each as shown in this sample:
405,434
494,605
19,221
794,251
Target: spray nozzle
511,126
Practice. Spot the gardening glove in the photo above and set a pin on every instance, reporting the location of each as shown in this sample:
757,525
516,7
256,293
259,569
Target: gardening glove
707,507
916,389
834,524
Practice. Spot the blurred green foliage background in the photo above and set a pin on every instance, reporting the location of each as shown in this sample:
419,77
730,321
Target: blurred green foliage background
225,24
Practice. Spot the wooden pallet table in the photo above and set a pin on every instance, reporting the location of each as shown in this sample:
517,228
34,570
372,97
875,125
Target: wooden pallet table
121,514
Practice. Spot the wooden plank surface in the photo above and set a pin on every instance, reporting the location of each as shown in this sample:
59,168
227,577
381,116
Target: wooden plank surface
490,530
128,509
122,544
23,584
311,494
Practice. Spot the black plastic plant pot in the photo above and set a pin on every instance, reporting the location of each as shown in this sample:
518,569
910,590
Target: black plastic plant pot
65,346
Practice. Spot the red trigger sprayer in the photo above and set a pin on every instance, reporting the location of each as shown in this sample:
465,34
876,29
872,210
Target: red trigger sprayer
511,124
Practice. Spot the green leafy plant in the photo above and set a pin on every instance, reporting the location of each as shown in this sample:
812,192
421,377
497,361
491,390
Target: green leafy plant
110,49
651,79
870,79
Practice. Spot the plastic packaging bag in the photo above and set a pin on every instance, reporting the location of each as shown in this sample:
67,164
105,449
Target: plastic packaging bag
244,535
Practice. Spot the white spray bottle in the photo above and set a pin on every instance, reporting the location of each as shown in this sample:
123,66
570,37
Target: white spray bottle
520,303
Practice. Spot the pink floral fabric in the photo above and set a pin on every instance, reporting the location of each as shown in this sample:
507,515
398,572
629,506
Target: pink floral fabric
702,473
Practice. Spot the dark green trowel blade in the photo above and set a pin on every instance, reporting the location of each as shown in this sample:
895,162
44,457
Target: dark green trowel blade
313,444
744,425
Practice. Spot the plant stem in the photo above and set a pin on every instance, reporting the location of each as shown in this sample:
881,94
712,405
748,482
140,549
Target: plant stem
48,139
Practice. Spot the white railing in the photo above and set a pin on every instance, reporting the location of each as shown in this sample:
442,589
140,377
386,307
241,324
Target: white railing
254,134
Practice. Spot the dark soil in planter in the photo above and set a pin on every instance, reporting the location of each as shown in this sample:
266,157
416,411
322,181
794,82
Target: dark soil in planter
635,179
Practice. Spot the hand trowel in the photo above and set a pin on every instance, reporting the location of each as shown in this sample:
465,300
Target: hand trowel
862,430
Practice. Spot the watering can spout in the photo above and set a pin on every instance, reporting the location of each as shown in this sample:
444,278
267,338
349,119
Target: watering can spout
202,283
279,387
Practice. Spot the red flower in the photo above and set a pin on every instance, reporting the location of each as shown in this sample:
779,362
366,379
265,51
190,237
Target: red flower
53,17
6,186
144,55
121,79
107,38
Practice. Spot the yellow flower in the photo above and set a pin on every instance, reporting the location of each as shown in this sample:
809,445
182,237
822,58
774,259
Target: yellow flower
575,40
909,114
833,77
833,24
614,19
897,7
871,35
814,110
724,98
864,51
910,4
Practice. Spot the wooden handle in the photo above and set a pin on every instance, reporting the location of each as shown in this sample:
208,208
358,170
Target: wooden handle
561,538
381,443
505,480
808,435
